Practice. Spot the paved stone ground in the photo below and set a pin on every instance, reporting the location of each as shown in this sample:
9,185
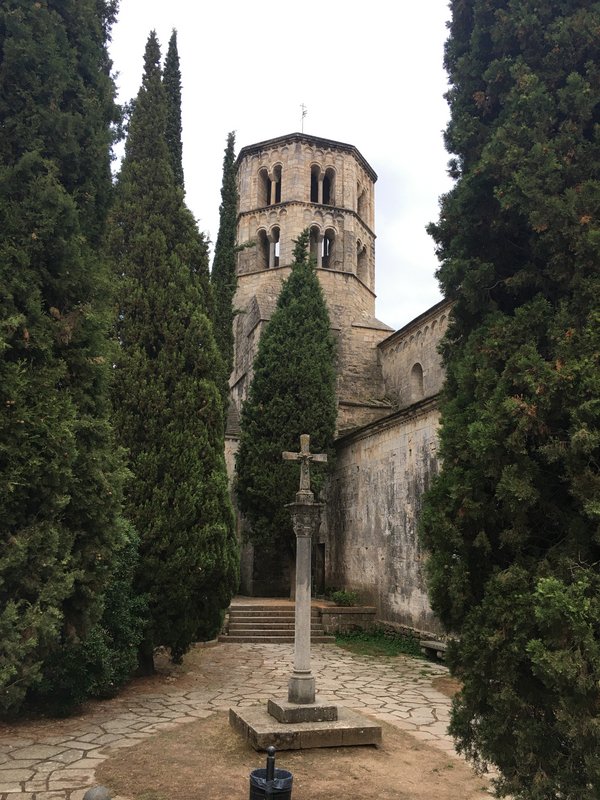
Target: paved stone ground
59,762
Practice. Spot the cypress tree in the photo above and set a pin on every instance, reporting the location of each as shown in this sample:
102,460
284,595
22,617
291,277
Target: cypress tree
223,276
60,473
168,406
172,82
292,392
512,520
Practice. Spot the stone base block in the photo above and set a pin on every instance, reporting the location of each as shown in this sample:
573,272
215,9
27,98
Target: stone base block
284,711
262,730
301,688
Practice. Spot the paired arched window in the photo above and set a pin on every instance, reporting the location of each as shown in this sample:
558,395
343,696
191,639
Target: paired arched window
269,186
322,185
268,248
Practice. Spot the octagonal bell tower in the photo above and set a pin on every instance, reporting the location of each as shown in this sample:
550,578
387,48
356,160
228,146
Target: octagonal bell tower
286,185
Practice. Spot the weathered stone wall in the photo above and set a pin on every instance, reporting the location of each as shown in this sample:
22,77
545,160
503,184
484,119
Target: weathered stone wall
410,362
351,307
373,504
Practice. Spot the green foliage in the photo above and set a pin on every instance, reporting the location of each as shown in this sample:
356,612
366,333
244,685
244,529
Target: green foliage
172,83
293,392
379,642
167,401
102,662
512,520
223,275
341,597
60,473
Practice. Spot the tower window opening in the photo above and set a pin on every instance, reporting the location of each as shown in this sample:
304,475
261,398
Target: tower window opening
263,250
315,172
274,248
316,245
329,187
361,261
327,250
276,186
264,189
361,204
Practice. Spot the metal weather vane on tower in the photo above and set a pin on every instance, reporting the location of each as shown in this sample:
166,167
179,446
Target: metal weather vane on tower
304,113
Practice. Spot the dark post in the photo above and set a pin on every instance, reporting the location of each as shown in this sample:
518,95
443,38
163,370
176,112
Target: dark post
270,782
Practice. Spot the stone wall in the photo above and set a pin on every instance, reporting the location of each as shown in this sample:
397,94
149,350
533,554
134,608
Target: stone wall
410,362
373,504
351,307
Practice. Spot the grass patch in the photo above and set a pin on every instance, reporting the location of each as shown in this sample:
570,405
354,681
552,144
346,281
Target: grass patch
379,642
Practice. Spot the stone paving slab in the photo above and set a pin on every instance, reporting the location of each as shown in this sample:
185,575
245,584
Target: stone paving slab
60,766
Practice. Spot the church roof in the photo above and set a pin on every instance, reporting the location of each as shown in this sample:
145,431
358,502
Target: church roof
306,138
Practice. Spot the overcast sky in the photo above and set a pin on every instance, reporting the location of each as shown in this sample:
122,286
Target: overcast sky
370,74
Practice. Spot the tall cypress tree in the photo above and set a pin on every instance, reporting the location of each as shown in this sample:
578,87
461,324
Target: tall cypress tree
292,392
61,475
512,523
168,406
172,82
223,276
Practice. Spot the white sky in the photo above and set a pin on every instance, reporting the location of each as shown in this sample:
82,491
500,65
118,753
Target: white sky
370,74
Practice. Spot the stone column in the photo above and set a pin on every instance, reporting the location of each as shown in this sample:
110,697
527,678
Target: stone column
306,518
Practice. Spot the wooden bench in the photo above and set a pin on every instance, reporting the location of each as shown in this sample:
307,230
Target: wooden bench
432,648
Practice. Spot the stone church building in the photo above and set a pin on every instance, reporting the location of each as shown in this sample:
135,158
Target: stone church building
387,381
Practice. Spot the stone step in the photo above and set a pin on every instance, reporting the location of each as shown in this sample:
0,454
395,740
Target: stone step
258,626
269,612
270,639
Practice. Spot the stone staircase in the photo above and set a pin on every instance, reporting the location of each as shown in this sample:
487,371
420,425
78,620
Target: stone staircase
269,624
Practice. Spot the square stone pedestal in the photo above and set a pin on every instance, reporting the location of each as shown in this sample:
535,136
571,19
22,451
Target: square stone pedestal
284,711
262,730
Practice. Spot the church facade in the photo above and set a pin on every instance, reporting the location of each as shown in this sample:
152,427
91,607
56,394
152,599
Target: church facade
387,381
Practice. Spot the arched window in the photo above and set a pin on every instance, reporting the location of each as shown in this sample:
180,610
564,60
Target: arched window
315,248
361,261
263,250
269,186
416,382
264,188
274,247
361,203
276,185
329,187
328,249
315,179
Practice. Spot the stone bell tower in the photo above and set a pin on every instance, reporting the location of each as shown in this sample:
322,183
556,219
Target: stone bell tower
286,185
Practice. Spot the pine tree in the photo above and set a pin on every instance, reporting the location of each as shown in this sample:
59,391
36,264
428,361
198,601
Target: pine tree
168,407
512,521
60,472
223,276
292,392
172,82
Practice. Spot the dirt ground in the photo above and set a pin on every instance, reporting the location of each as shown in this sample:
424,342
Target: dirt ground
206,759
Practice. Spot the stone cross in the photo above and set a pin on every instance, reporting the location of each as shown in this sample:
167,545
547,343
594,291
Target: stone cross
304,457
306,515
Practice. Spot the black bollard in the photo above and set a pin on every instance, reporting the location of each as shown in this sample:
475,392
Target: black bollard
270,770
270,782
